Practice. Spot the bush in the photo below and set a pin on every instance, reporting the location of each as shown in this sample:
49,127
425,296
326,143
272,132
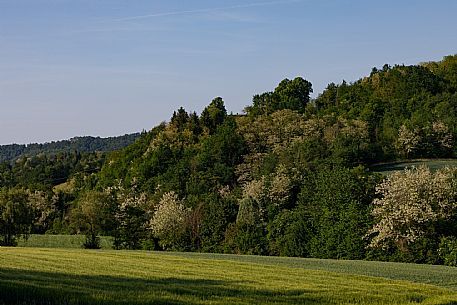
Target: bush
448,250
91,242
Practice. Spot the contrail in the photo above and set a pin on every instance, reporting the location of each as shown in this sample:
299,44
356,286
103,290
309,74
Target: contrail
206,10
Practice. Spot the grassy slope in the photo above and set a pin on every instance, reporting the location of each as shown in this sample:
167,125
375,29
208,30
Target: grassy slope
433,164
55,276
443,276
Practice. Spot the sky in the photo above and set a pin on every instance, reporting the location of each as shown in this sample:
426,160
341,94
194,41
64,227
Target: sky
110,67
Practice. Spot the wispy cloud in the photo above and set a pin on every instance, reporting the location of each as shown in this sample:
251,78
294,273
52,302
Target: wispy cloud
207,10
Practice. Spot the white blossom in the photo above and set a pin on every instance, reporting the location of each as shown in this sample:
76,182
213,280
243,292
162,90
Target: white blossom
169,216
409,202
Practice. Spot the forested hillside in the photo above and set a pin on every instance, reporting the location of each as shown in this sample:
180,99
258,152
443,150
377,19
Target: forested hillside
288,177
78,144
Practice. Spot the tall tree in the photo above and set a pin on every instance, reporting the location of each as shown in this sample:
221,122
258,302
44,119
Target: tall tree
294,94
16,217
214,115
92,216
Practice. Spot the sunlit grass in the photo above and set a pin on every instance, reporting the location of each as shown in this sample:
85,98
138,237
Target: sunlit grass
443,276
61,241
56,276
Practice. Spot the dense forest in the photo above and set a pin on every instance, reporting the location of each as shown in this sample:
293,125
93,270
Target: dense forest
77,144
291,176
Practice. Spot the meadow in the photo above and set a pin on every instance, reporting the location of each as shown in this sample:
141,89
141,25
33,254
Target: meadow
433,164
77,276
61,241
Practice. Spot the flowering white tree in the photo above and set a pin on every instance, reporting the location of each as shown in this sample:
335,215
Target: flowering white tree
280,187
133,212
43,207
408,140
441,135
168,221
273,189
250,209
410,203
433,139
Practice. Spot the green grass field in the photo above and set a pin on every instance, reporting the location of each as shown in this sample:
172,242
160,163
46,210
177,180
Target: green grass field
61,241
76,276
433,164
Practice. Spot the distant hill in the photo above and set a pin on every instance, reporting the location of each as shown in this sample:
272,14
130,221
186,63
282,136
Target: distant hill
77,144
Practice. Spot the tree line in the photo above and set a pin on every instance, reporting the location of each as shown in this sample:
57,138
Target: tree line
291,176
85,144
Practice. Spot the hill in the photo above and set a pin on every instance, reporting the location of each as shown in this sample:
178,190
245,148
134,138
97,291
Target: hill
409,110
85,144
287,178
43,166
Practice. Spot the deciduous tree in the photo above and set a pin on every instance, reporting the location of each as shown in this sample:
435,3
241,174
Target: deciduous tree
410,204
16,216
92,216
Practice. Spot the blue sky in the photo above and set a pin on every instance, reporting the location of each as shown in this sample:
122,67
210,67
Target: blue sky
109,67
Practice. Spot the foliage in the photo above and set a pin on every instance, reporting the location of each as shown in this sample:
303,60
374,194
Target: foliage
337,202
77,144
16,217
411,203
219,210
213,115
448,250
44,210
289,94
130,214
43,172
168,221
290,233
434,139
290,177
91,216
416,97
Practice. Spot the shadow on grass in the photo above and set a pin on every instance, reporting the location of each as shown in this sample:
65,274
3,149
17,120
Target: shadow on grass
33,288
